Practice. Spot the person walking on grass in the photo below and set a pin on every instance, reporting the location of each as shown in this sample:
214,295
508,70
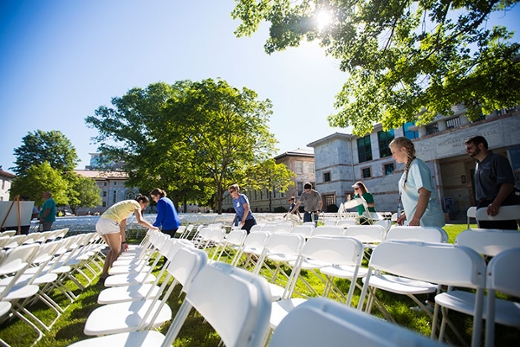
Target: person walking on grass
111,226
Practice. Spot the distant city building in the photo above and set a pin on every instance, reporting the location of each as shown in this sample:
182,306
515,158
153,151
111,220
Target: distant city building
5,184
97,163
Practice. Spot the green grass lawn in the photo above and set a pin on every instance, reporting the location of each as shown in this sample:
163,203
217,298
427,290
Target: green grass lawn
69,327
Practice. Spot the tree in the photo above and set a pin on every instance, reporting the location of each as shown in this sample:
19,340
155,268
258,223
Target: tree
51,147
406,60
190,138
38,179
83,193
270,176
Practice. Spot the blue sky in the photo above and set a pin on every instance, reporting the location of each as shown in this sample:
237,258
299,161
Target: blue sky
60,60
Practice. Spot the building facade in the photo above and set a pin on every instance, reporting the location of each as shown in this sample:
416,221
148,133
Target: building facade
5,184
342,159
299,161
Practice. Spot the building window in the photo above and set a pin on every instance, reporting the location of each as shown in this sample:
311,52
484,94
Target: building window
115,183
366,172
326,177
453,123
384,138
432,129
104,204
105,184
298,167
130,195
364,149
409,133
104,193
300,188
114,197
388,168
329,199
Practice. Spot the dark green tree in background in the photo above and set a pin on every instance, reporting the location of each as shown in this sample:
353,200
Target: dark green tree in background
83,193
406,60
45,146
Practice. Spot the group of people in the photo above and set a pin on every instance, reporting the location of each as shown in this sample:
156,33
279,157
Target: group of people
112,223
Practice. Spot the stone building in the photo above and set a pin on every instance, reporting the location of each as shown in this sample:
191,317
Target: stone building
5,184
342,159
301,162
113,189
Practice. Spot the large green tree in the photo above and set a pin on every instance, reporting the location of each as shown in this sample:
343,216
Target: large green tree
45,146
270,176
83,193
406,60
189,138
38,179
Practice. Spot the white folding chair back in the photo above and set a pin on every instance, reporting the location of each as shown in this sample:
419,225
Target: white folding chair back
367,234
255,228
304,230
327,230
253,245
489,242
471,213
323,322
504,213
417,233
283,228
233,242
346,222
501,278
8,233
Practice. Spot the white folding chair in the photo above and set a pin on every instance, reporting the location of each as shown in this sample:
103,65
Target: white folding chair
345,223
279,249
501,278
231,245
253,247
147,313
412,268
504,213
471,213
283,227
237,307
327,230
304,230
340,256
139,291
323,322
489,242
417,233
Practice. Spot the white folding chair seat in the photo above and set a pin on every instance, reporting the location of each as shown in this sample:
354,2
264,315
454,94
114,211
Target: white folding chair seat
412,268
214,239
140,264
417,233
323,322
15,241
237,307
147,313
327,230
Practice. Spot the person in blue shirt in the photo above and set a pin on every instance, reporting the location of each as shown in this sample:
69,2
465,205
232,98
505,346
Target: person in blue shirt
167,218
243,217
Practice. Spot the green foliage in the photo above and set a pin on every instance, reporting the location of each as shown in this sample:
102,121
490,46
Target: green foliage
405,61
83,193
39,147
191,138
38,179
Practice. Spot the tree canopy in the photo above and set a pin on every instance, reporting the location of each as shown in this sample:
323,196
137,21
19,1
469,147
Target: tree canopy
83,193
191,139
40,146
406,60
38,179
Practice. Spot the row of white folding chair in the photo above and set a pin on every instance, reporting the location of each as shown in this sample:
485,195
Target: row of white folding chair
237,307
147,312
17,240
230,246
413,268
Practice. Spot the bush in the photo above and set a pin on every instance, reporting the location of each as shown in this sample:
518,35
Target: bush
280,209
332,208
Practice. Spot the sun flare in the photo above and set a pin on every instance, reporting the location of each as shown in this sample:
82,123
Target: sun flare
323,19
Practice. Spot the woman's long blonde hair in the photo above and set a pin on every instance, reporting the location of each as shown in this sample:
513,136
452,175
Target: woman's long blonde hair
400,142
